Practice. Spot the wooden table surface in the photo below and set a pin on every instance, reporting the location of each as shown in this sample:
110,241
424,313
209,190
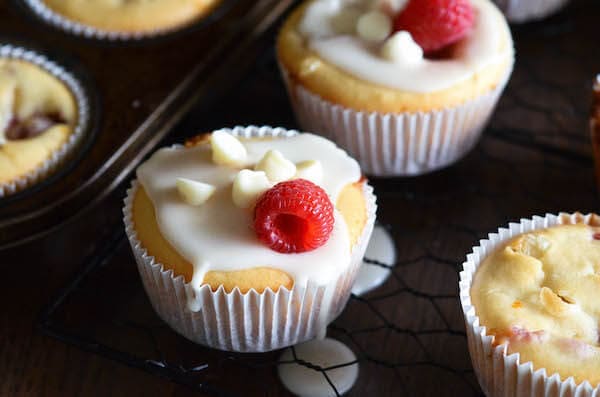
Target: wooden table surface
534,158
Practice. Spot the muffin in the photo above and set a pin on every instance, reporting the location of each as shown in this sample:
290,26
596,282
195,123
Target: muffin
406,88
249,244
531,300
122,17
38,115
529,10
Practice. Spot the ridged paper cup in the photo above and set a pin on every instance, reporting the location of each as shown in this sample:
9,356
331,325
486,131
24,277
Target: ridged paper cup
57,158
48,15
501,374
396,144
250,322
519,11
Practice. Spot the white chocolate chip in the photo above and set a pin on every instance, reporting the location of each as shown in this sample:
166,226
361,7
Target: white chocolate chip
248,185
194,192
345,21
391,7
277,167
374,26
401,48
227,149
311,170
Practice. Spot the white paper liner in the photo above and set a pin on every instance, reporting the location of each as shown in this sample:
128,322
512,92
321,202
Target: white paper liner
396,144
500,374
529,10
251,322
39,8
83,118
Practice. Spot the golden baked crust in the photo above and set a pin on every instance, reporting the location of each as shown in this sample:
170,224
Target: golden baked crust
351,204
306,68
133,15
36,92
540,293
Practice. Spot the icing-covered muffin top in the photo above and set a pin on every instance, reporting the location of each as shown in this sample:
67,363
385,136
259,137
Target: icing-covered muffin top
232,204
383,41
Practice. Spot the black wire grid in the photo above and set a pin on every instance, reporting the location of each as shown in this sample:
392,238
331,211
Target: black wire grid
408,335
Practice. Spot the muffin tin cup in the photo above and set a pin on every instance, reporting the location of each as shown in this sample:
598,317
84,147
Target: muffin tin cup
250,322
520,11
396,144
57,158
42,11
501,374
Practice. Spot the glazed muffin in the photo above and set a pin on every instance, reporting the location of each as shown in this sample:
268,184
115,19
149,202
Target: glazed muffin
534,294
38,114
274,218
132,16
389,76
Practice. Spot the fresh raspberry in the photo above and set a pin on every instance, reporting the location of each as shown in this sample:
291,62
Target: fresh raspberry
294,216
435,24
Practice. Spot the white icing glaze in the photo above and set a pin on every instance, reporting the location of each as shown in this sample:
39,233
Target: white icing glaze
481,48
381,248
218,235
307,382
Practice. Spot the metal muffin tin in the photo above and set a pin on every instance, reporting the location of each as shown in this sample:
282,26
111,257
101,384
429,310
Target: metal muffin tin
137,91
82,132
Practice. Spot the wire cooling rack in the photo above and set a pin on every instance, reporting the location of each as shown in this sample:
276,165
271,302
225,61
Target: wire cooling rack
408,335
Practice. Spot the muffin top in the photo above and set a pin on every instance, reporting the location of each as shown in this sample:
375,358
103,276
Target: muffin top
131,16
37,114
205,203
367,39
540,294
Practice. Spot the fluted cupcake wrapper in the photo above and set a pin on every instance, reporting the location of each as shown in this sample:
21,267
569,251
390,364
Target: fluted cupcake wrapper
528,10
501,374
39,8
250,322
50,165
396,144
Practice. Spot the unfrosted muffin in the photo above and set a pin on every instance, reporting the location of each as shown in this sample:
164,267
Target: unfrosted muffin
401,99
132,16
540,294
531,297
272,232
38,114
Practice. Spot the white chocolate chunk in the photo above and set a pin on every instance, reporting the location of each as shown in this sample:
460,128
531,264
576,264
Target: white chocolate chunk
248,185
276,166
391,7
533,245
311,170
194,192
374,26
227,149
401,48
345,21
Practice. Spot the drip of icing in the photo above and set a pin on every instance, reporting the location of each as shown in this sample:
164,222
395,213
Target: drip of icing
481,48
382,249
219,236
303,381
